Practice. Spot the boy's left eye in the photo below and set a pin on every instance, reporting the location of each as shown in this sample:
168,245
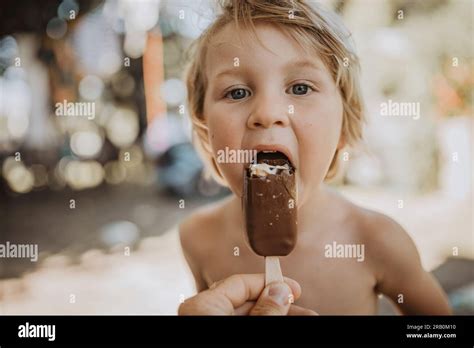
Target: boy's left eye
300,89
237,94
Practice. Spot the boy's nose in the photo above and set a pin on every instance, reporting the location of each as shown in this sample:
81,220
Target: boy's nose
268,112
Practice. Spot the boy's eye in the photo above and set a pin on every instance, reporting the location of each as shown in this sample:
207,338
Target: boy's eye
300,89
237,93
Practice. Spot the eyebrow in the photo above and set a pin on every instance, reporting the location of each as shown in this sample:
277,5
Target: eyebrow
230,72
302,64
299,64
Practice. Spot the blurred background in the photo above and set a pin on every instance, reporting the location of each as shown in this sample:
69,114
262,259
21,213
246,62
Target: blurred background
100,185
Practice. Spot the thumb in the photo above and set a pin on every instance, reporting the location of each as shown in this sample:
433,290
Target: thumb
274,300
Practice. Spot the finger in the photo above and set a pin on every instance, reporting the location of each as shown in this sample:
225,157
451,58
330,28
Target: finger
245,308
294,309
225,295
208,302
215,284
241,288
294,286
297,310
274,300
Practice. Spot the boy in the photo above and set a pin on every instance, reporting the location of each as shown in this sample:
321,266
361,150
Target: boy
283,76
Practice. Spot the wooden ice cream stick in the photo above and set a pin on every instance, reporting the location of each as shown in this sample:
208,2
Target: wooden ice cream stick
272,270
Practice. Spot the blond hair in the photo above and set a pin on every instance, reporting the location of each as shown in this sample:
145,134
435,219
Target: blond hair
311,26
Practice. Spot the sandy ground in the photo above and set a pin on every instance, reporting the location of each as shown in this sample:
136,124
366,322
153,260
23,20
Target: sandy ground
154,278
151,280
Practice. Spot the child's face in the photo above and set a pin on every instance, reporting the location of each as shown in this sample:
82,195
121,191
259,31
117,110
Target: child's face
250,104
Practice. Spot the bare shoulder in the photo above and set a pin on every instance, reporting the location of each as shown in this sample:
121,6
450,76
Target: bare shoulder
199,234
389,247
397,267
368,225
380,229
199,229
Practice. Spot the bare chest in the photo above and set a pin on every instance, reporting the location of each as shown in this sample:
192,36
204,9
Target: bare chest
331,282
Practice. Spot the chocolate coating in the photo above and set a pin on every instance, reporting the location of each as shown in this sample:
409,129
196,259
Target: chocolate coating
269,205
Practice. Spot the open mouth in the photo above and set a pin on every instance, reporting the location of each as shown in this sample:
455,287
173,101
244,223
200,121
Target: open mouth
270,162
273,158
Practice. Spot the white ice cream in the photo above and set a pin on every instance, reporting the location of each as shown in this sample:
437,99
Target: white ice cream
263,169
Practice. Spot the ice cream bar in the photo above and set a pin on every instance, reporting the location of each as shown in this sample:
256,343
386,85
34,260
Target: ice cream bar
269,205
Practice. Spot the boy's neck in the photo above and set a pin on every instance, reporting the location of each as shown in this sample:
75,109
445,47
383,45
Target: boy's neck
315,208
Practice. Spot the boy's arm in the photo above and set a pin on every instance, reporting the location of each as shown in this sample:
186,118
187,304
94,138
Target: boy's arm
401,275
190,246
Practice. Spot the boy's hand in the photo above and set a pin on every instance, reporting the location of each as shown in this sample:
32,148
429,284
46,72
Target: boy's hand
238,293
